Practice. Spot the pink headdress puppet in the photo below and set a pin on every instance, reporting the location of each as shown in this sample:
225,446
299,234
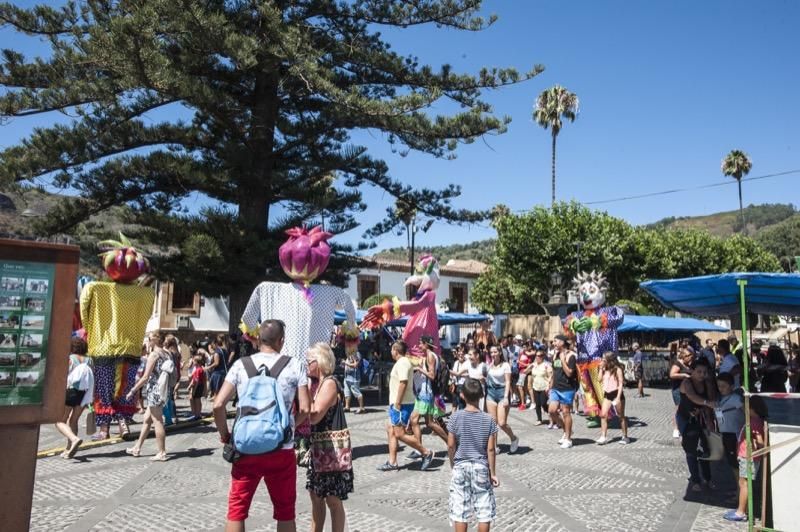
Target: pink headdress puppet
421,311
307,309
305,256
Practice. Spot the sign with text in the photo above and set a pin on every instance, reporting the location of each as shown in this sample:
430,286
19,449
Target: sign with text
26,302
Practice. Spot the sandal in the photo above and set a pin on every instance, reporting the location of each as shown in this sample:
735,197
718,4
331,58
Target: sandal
133,451
73,448
124,431
100,436
160,457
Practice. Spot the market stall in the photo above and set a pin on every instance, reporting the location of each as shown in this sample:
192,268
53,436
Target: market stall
654,334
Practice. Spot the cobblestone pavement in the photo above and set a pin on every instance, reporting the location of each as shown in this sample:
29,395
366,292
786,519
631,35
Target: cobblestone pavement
638,487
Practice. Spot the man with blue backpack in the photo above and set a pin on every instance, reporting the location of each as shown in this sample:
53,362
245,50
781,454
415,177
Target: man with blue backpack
261,444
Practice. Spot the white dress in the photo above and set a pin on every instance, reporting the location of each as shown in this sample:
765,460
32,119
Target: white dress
306,323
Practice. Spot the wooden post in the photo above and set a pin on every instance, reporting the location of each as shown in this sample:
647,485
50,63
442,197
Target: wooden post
29,401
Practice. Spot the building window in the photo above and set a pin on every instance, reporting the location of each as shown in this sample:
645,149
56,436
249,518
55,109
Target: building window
458,297
368,285
182,299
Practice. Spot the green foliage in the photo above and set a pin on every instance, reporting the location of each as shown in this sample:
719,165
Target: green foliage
268,92
375,299
532,246
783,241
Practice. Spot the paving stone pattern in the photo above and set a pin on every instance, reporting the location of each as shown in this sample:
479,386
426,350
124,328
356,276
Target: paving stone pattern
639,487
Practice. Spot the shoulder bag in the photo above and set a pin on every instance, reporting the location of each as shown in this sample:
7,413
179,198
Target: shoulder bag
330,449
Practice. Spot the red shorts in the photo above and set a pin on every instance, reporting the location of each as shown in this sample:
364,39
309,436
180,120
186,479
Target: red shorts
278,469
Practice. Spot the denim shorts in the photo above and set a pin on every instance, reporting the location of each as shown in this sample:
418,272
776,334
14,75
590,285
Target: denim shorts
563,397
471,493
401,418
351,388
496,395
743,467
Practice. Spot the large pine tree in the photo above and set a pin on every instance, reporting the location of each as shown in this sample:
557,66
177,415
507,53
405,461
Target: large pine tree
249,104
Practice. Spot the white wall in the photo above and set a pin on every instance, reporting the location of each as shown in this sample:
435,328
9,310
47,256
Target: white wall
392,282
213,316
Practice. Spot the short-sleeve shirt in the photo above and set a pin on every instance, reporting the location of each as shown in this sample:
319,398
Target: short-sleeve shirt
472,430
524,361
729,362
198,375
291,377
637,358
478,372
458,367
560,380
352,373
730,413
756,428
497,375
401,371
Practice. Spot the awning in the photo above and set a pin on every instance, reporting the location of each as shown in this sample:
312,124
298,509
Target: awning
445,318
634,323
718,295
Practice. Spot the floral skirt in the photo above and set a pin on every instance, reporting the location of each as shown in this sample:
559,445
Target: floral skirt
113,378
337,483
435,408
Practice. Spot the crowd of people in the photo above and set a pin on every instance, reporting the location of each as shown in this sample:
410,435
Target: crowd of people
708,389
483,383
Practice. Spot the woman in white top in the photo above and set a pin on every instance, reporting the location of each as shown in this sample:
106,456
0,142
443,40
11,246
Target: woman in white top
540,371
80,393
155,396
498,392
457,376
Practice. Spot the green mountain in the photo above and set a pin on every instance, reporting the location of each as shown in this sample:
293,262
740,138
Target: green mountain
757,217
482,250
775,225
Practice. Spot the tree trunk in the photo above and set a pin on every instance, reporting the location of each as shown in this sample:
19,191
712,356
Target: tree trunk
741,207
256,186
553,199
237,302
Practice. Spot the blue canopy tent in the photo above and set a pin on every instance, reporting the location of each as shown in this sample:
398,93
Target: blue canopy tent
725,295
718,295
643,324
445,318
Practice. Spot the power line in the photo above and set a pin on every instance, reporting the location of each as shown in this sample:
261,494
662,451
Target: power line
701,187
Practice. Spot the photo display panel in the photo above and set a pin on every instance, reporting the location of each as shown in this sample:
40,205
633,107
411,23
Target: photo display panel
26,302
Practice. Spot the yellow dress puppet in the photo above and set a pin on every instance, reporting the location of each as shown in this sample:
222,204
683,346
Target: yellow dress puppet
115,315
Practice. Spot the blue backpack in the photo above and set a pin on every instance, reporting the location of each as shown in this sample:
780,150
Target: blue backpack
262,421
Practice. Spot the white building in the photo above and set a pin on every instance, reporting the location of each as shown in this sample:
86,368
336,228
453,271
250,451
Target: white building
384,276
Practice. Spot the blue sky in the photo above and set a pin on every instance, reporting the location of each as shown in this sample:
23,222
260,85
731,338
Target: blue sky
666,90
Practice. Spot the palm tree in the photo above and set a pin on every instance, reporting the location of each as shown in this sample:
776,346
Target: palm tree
737,165
551,106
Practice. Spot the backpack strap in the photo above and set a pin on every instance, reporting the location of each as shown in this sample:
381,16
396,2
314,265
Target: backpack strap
276,369
249,367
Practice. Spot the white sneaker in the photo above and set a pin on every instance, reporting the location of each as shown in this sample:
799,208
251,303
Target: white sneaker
514,445
624,441
562,439
602,440
566,444
531,407
676,433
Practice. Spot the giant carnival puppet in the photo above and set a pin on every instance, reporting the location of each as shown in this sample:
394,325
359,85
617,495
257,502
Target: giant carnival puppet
114,315
595,329
308,310
421,311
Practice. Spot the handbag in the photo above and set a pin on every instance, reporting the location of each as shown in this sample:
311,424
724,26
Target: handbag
91,424
715,450
330,449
